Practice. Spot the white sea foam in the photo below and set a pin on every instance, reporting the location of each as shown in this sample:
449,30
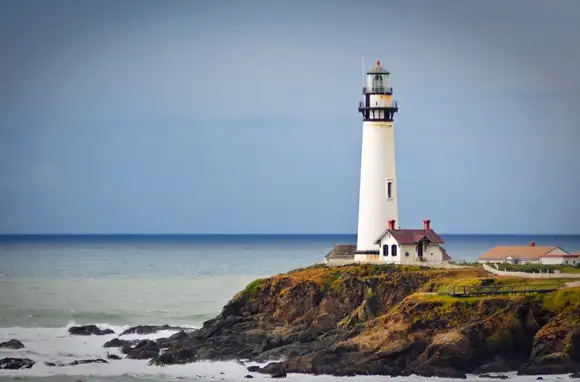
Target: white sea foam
56,345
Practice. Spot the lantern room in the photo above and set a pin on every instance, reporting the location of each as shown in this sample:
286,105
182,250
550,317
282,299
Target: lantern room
377,81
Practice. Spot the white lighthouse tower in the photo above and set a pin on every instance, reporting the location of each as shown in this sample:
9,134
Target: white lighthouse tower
378,186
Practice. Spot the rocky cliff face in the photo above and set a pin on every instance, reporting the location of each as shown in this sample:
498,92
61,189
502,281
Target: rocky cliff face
386,320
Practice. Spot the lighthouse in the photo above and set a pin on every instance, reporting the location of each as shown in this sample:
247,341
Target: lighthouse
378,185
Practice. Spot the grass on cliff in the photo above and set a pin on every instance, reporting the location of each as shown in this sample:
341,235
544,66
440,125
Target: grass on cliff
445,285
561,300
332,278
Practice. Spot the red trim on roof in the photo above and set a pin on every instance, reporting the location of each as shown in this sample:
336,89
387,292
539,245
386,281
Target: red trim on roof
561,255
412,236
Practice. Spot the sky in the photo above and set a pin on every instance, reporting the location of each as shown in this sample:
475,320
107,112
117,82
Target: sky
241,116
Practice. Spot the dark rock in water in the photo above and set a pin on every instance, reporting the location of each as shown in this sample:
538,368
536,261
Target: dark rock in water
174,339
575,375
174,355
145,349
112,356
253,369
489,376
548,369
497,366
83,361
119,343
11,344
78,362
16,363
88,330
554,363
148,329
248,376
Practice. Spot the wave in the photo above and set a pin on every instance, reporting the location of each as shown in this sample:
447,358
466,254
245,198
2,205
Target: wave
46,344
55,318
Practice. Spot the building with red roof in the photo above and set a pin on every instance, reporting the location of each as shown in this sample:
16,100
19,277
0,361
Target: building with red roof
530,254
409,246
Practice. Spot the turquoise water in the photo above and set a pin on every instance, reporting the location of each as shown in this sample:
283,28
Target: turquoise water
48,283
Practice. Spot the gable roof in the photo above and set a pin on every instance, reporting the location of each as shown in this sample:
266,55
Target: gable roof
411,236
567,255
518,252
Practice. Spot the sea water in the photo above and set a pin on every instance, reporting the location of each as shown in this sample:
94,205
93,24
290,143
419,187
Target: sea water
49,283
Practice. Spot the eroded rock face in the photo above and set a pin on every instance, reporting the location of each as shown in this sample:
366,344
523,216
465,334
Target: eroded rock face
362,320
89,330
11,344
556,346
16,363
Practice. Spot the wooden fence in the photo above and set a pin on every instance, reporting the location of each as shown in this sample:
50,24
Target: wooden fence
539,275
498,290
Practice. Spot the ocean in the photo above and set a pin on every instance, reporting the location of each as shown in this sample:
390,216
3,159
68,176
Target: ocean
49,283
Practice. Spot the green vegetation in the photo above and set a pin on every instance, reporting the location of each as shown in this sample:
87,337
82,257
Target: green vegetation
561,300
465,263
253,287
445,285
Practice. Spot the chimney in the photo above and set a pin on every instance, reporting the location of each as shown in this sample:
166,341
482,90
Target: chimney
532,243
391,224
427,225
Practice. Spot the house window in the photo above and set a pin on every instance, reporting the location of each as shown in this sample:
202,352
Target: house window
394,250
386,250
406,254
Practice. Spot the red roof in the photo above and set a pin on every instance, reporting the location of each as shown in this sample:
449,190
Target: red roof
562,255
412,236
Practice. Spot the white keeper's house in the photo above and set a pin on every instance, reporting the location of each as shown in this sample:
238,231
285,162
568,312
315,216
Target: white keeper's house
408,246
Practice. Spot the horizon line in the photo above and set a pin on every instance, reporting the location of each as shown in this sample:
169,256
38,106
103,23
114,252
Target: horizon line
270,234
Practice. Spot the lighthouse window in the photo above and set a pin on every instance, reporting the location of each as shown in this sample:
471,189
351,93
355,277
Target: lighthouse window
378,83
389,189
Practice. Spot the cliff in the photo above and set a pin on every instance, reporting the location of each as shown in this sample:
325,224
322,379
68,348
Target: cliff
388,320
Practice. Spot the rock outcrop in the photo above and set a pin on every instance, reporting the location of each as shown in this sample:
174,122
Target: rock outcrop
88,330
16,363
382,320
11,344
149,329
77,362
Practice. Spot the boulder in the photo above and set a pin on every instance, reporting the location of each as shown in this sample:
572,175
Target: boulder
144,349
11,344
78,362
119,343
16,363
149,329
88,330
